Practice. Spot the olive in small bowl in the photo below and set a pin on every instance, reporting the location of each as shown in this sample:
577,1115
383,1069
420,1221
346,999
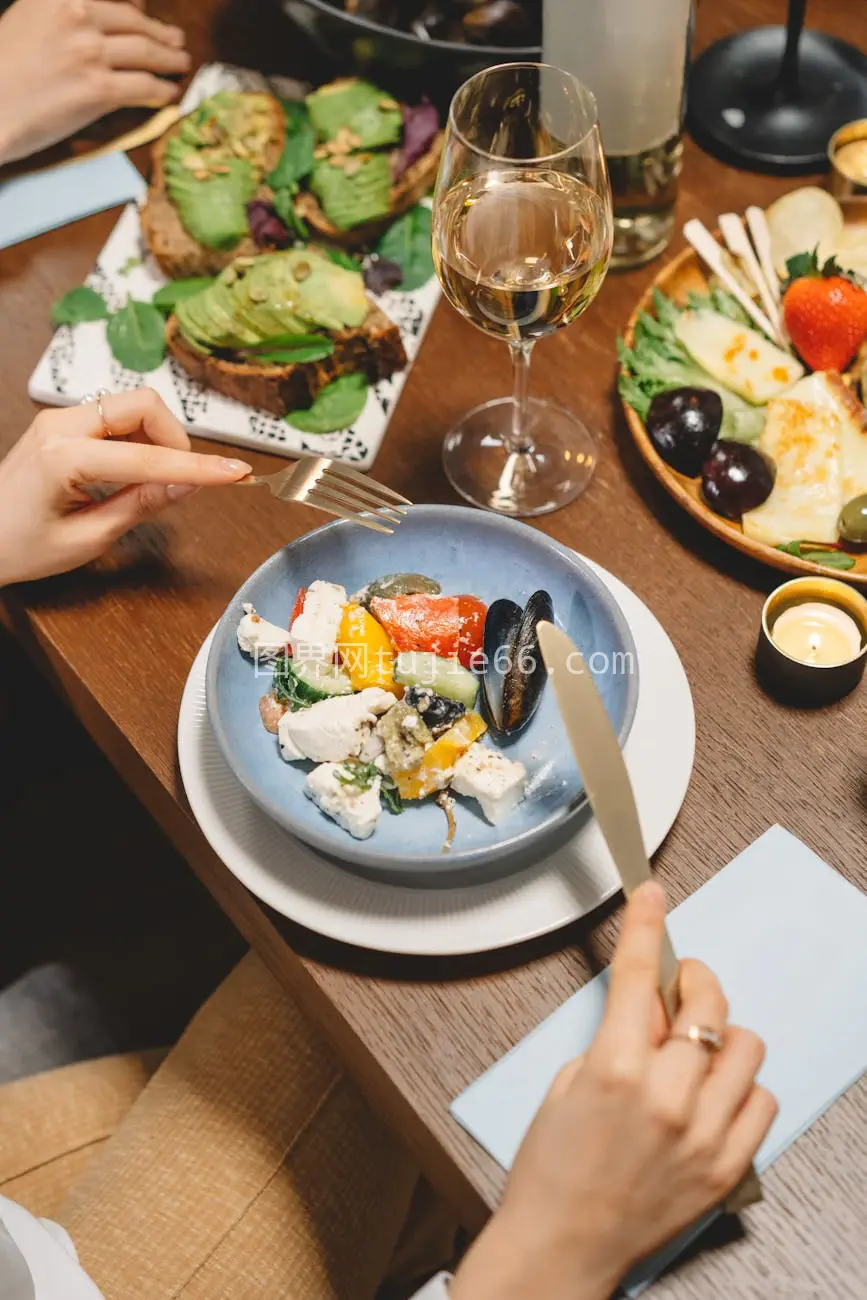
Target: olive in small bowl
683,424
852,524
736,478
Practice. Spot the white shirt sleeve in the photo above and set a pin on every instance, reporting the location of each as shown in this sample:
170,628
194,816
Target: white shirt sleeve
38,1260
436,1289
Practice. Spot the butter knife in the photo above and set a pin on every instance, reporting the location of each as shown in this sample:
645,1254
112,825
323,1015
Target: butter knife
609,792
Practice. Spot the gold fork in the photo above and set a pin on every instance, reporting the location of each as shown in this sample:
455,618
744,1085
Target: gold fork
336,489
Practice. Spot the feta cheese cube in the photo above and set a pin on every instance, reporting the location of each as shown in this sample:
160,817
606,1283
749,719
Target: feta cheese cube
334,729
257,637
496,781
352,807
313,634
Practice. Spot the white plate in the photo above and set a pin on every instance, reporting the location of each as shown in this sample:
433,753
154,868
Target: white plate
298,883
78,360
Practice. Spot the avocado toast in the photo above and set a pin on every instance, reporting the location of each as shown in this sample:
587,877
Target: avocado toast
273,330
205,172
345,162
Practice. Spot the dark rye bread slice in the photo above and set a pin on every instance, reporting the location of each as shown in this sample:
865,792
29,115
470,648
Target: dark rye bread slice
178,254
374,349
415,183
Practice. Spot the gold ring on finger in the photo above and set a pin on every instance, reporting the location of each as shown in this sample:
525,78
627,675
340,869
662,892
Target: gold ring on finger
702,1036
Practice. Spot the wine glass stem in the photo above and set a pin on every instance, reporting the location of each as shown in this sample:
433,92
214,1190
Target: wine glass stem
519,439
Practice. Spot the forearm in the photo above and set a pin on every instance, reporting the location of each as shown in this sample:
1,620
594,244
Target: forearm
501,1265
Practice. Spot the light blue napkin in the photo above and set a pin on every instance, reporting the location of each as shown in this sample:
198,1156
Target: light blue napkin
30,205
760,924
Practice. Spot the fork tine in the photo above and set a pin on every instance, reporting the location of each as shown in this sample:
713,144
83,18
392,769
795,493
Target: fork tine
331,509
387,513
337,467
362,496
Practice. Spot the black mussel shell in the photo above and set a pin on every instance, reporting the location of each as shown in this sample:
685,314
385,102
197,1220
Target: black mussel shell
526,676
501,625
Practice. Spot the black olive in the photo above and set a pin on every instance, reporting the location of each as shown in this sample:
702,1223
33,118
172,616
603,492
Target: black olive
736,478
683,425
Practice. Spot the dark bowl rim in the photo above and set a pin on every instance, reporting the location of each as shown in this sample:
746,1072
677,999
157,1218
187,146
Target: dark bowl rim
404,864
520,52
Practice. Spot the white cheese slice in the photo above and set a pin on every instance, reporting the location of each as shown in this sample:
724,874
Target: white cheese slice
353,808
257,637
496,781
313,634
815,434
334,729
739,357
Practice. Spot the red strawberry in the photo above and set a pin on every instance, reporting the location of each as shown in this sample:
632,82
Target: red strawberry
825,312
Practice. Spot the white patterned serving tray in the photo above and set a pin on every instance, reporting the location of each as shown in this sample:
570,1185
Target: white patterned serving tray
78,360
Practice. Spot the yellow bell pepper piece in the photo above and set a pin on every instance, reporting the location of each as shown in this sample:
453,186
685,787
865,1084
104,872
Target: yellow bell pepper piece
366,652
435,770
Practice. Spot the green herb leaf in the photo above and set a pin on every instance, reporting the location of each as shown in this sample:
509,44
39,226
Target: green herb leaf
167,297
295,356
296,160
79,304
363,776
290,349
357,773
408,242
285,685
284,206
342,258
137,336
335,407
390,795
829,559
130,264
284,340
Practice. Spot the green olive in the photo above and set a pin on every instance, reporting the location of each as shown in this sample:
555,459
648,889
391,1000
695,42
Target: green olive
852,524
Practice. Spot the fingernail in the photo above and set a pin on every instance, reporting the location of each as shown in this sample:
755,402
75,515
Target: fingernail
177,491
176,35
235,468
653,892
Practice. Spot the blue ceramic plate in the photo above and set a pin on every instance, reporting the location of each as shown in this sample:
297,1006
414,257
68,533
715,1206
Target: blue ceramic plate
465,551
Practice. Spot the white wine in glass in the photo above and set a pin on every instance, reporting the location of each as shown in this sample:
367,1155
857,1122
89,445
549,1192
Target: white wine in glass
522,231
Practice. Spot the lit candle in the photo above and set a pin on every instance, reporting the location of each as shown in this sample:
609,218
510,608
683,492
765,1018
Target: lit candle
817,633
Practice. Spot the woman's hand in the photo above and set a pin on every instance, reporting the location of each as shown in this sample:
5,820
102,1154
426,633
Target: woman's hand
49,522
635,1140
64,63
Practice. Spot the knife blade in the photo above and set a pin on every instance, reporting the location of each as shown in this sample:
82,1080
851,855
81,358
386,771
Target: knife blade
609,792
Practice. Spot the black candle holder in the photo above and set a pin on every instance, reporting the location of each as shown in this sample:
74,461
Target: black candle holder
771,98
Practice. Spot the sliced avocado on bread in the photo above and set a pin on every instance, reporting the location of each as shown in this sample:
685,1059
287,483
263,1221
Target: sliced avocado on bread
242,334
205,172
354,192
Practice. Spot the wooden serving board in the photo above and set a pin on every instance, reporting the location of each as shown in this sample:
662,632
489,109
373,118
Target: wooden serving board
676,280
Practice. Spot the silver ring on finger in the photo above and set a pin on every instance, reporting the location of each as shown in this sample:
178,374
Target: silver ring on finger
702,1035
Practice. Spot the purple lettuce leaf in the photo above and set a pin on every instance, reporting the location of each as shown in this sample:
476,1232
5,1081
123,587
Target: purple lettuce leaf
267,229
381,274
420,125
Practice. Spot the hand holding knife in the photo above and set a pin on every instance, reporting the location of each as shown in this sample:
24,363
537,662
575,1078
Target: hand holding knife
609,792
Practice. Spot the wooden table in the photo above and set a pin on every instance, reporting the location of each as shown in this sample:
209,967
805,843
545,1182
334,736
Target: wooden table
119,641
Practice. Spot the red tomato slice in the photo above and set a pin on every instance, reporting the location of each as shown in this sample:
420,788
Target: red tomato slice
426,623
296,610
471,612
298,606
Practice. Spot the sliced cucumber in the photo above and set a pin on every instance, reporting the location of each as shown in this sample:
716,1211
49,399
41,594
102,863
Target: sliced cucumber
445,676
320,681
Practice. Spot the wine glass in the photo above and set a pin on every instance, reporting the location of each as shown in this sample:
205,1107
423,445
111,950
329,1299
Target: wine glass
522,232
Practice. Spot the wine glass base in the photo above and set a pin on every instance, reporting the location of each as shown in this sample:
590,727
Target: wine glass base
554,471
739,111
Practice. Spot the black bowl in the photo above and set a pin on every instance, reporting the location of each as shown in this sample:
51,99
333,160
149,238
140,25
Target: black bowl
400,62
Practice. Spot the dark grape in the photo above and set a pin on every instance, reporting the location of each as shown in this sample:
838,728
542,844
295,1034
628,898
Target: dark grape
736,478
683,425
